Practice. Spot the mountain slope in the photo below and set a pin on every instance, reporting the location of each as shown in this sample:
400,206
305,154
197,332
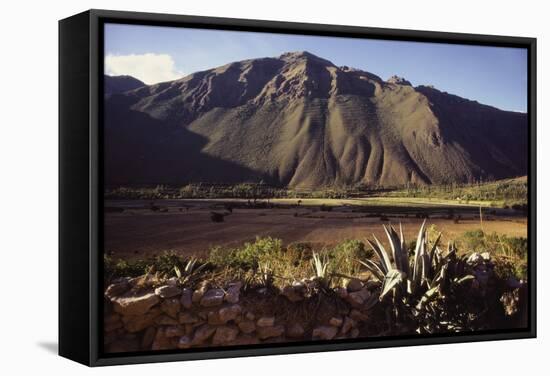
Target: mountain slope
120,84
298,120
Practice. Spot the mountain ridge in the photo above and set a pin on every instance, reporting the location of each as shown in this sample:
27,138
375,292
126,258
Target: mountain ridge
298,120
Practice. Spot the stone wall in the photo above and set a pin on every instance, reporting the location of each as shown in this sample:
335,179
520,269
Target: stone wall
140,316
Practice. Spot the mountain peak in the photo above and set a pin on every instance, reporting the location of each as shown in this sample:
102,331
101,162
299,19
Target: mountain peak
399,80
303,55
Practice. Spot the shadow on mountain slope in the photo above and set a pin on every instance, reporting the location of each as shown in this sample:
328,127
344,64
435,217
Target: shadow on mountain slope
141,150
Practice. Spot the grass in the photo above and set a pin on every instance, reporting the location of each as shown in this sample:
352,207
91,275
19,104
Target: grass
510,193
507,192
267,261
512,252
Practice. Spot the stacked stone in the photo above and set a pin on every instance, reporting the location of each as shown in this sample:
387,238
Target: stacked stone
170,317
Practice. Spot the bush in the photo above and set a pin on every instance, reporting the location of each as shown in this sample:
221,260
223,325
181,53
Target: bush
512,250
344,256
163,264
246,257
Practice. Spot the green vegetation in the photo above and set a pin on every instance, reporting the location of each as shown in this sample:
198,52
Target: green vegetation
509,193
506,193
250,191
297,261
511,251
416,287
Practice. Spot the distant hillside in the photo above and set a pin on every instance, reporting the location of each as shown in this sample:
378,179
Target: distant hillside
120,84
300,121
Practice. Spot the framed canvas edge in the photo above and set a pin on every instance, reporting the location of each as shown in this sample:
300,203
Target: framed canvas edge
97,16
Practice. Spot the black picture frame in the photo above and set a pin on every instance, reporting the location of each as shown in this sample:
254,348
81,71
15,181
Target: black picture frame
80,183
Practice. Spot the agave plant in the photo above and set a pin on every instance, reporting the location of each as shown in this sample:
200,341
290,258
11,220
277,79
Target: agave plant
189,271
265,274
416,283
320,265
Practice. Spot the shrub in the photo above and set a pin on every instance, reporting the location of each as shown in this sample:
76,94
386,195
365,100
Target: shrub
247,256
344,256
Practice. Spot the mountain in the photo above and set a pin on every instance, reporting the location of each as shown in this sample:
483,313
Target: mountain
120,84
300,121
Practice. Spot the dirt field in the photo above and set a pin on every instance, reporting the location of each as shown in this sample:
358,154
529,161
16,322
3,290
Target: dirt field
185,225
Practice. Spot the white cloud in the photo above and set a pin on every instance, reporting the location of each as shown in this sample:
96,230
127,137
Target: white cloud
149,68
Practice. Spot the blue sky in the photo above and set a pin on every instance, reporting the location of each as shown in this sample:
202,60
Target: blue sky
492,75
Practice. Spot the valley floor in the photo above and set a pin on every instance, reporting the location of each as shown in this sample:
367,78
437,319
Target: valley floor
141,228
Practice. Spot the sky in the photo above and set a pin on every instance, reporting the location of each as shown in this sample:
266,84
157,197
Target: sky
496,76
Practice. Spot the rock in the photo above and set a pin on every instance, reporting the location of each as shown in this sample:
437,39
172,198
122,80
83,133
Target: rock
336,321
136,323
171,307
264,322
187,318
474,259
174,331
270,331
225,335
186,299
148,337
246,339
198,294
354,333
112,322
212,298
184,342
247,326
167,291
161,342
341,292
166,320
354,285
172,281
189,329
399,80
348,324
325,332
202,334
358,315
372,300
213,318
229,313
109,327
117,289
111,317
295,330
372,285
135,304
292,293
250,316
357,298
233,292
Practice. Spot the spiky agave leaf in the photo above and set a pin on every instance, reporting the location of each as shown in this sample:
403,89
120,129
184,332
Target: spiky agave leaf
434,247
427,297
383,256
417,262
405,256
374,268
392,279
177,271
395,244
320,265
